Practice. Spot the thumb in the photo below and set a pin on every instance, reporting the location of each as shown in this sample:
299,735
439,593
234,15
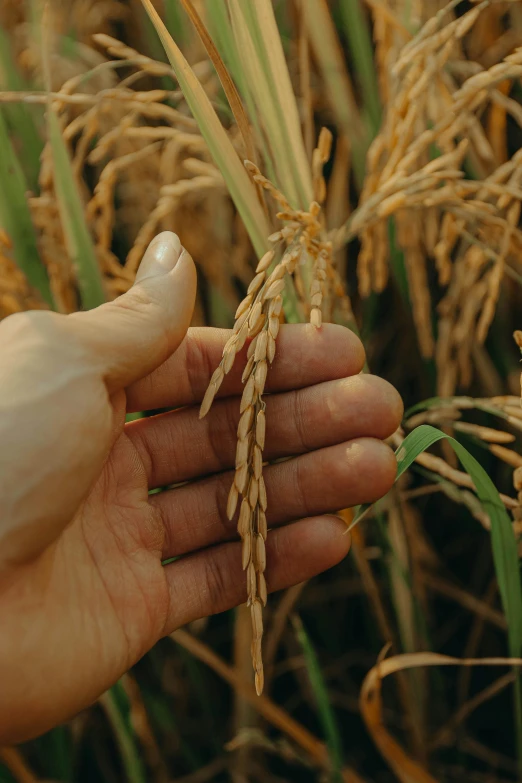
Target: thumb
138,331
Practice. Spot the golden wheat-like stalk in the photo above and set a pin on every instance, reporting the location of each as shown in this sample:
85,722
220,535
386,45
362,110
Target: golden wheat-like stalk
257,319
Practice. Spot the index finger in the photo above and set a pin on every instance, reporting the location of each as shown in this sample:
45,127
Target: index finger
305,356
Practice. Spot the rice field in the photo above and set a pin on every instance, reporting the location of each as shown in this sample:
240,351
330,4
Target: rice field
347,161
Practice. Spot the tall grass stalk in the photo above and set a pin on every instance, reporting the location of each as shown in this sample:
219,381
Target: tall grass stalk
15,217
174,20
326,713
20,119
72,214
112,702
285,147
278,77
240,187
220,27
227,83
218,22
357,31
68,193
327,48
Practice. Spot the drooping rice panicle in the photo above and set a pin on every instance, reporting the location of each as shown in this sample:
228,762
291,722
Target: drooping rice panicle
257,320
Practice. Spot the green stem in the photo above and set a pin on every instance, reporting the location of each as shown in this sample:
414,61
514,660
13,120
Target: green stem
360,42
326,713
15,217
130,756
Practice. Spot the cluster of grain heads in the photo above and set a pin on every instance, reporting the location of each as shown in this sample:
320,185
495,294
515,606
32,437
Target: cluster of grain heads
468,228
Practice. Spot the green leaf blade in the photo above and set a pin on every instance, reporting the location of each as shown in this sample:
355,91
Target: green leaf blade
326,713
15,217
77,235
503,541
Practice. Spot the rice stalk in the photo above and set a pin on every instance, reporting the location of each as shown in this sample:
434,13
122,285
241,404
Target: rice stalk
220,24
283,97
240,188
264,99
257,319
277,716
228,85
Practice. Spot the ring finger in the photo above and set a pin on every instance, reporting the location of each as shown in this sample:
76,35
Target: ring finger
358,471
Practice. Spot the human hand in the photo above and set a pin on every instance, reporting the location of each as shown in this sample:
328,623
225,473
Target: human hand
83,592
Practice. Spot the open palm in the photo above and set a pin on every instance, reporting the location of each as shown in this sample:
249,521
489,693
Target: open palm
86,606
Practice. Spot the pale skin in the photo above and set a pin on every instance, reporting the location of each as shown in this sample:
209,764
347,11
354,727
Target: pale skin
83,591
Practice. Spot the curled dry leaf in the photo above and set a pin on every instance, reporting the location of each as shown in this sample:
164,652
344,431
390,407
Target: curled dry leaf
405,768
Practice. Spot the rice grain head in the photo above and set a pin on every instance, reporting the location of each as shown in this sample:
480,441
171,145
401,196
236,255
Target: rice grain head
257,319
